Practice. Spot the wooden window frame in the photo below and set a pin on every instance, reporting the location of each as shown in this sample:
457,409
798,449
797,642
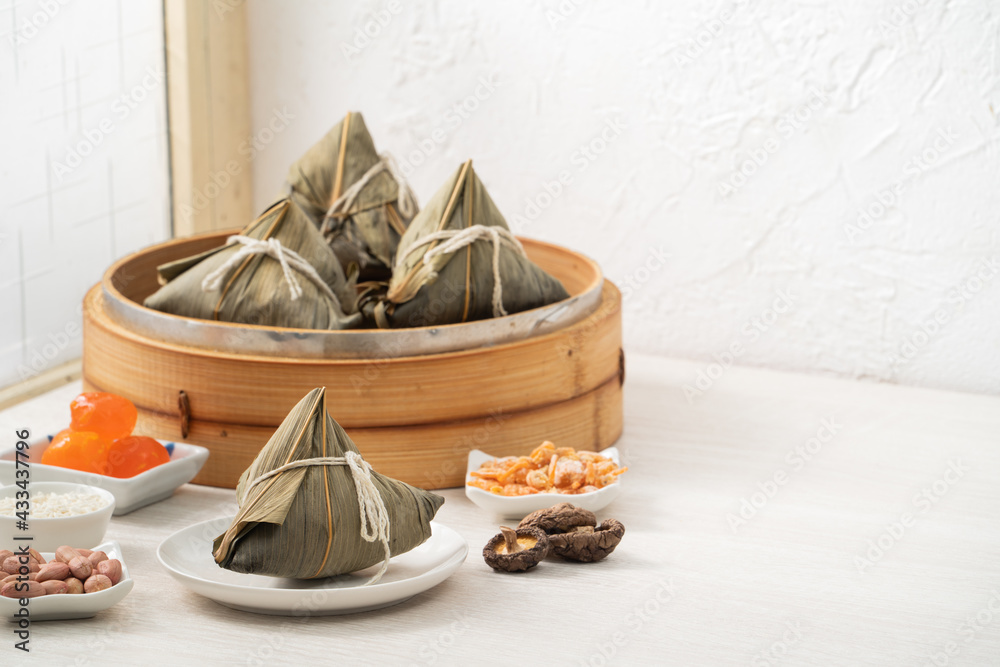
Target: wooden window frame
208,107
208,101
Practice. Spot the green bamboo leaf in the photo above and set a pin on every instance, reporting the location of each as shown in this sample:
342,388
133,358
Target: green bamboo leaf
257,291
367,232
459,286
305,523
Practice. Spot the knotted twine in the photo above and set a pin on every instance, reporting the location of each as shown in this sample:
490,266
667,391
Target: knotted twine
456,239
374,515
289,259
405,199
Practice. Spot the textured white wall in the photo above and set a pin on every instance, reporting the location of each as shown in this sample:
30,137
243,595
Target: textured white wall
83,163
724,161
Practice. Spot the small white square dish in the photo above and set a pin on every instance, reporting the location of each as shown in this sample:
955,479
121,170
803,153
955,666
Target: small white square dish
67,606
130,493
519,506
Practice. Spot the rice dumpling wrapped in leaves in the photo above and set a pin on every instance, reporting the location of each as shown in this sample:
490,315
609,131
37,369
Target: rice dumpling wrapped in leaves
458,261
277,272
356,197
310,506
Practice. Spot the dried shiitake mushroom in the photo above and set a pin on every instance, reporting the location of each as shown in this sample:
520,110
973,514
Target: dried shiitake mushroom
574,534
561,518
516,550
587,544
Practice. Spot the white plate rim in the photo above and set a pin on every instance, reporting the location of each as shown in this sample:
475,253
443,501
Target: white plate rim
281,597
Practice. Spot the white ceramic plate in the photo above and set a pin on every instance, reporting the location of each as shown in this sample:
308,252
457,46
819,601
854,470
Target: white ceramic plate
85,605
131,493
517,507
187,555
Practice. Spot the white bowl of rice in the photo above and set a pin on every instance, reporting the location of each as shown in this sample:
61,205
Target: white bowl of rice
58,513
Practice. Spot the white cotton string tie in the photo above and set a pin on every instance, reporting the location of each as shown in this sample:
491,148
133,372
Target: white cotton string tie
288,259
406,201
374,515
456,239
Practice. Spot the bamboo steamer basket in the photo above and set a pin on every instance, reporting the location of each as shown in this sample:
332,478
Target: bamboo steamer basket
413,417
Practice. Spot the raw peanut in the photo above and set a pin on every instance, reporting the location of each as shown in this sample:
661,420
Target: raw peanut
31,576
112,569
13,565
37,556
74,586
85,552
81,568
97,557
10,565
33,590
53,570
66,554
55,587
97,582
5,554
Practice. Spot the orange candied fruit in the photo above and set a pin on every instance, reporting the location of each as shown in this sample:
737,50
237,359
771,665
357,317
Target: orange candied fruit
107,415
129,456
61,434
85,451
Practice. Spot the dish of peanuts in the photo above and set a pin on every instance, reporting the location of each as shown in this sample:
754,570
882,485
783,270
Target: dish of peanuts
70,571
67,583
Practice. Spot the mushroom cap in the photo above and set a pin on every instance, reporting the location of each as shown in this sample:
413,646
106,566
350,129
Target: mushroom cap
497,557
560,518
587,546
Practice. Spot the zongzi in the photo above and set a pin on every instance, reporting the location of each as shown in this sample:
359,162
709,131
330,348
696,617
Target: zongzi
277,272
356,197
310,506
458,261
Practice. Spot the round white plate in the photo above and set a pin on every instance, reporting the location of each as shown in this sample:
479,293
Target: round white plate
83,605
187,555
517,507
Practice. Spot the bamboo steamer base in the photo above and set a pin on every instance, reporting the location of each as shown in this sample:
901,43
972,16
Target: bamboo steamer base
413,418
431,456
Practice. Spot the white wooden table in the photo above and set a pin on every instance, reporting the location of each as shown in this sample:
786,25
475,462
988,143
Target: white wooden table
815,571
